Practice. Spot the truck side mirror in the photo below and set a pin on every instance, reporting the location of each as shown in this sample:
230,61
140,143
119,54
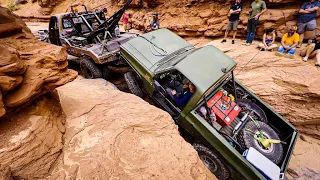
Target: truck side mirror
159,88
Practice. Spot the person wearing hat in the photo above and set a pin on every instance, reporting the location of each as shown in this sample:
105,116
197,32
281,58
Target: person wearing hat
289,43
155,24
312,50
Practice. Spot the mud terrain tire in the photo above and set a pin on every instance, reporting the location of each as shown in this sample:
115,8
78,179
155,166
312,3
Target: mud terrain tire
254,107
212,162
246,140
105,72
89,69
133,84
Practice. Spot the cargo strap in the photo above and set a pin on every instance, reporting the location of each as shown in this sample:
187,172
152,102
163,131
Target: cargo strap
265,142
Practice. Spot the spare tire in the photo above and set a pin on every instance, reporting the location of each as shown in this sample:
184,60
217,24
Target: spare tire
133,84
246,140
258,112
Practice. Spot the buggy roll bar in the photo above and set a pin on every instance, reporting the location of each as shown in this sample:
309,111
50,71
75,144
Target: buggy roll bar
78,4
110,24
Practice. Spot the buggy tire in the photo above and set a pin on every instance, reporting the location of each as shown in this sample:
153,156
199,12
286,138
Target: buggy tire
212,161
105,72
246,140
89,69
133,84
254,107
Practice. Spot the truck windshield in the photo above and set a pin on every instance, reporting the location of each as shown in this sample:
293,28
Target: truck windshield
210,91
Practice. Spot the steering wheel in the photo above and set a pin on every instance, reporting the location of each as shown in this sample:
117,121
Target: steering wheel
175,78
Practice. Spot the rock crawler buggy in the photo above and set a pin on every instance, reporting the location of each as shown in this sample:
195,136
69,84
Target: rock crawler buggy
235,133
91,37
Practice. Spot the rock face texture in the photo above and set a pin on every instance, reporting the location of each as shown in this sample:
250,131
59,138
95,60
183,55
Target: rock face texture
290,86
28,68
98,132
31,140
189,17
114,135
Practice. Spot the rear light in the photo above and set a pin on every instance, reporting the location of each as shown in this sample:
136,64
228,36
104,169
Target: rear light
105,10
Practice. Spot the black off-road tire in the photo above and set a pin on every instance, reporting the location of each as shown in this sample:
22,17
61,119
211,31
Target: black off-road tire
212,162
246,140
133,84
254,107
105,72
89,69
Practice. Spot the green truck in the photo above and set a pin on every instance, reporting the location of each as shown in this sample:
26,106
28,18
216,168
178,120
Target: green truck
222,119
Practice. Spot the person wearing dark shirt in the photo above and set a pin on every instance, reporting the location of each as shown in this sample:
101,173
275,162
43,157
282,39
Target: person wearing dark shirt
312,50
307,18
233,20
182,99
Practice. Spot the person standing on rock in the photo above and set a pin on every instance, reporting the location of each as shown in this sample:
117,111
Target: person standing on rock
257,8
233,21
307,18
126,21
312,50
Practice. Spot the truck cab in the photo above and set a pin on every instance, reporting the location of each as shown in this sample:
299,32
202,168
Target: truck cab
235,133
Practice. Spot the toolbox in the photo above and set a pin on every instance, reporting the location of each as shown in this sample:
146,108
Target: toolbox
224,108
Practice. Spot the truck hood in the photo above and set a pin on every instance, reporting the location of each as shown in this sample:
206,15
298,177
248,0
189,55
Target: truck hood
155,47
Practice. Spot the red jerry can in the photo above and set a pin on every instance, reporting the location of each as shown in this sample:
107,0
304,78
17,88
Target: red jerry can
225,109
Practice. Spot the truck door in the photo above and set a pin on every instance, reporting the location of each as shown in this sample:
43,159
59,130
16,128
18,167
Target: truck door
54,31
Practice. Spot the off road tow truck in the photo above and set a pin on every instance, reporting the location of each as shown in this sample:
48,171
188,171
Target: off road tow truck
90,36
235,133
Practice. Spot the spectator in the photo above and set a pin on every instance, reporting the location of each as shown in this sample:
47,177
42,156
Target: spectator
155,24
182,100
126,21
307,18
288,43
312,50
233,20
268,40
257,8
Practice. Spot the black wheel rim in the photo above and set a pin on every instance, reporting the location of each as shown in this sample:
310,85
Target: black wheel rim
209,163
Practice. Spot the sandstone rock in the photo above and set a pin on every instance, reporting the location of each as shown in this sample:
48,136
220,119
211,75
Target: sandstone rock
205,14
214,21
20,2
115,135
28,67
5,173
31,140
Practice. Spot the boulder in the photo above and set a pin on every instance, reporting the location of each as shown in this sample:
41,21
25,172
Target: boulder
20,2
28,67
115,135
31,140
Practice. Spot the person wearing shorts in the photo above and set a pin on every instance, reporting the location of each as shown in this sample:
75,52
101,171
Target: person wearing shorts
233,20
288,43
307,18
312,50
